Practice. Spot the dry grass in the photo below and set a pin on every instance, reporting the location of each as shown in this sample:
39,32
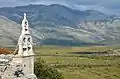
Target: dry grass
81,66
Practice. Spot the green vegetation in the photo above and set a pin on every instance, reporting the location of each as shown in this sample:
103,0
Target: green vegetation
42,71
80,66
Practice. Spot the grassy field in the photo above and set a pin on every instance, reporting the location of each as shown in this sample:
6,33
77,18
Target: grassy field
83,65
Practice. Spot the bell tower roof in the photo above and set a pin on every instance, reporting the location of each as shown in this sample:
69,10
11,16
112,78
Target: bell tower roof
25,25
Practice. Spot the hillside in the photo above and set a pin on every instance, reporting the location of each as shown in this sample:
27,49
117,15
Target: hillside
51,15
50,28
10,32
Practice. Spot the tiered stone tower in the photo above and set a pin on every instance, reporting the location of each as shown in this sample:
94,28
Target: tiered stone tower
26,49
21,65
25,40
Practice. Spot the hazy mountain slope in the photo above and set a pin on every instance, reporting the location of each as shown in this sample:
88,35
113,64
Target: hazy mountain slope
107,32
64,35
9,32
89,32
57,24
86,33
52,15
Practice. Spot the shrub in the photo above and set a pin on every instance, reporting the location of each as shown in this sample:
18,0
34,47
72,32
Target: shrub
43,71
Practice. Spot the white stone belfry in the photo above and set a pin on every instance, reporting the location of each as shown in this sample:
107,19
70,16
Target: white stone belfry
25,50
25,39
20,65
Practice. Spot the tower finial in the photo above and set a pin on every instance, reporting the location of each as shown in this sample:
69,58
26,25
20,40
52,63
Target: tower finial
25,16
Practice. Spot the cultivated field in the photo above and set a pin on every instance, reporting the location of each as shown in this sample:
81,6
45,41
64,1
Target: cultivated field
94,62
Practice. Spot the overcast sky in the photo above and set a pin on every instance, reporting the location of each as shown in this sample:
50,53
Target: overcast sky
106,6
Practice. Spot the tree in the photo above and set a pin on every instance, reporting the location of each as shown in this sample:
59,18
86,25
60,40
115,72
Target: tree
43,71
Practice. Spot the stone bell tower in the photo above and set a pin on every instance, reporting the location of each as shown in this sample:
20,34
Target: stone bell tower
20,65
25,51
25,39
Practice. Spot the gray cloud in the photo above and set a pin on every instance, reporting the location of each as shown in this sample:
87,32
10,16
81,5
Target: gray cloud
106,6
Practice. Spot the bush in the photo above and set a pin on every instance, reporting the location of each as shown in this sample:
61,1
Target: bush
43,71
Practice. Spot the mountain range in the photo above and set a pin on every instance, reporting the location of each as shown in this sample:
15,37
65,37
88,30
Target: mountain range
52,15
59,25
